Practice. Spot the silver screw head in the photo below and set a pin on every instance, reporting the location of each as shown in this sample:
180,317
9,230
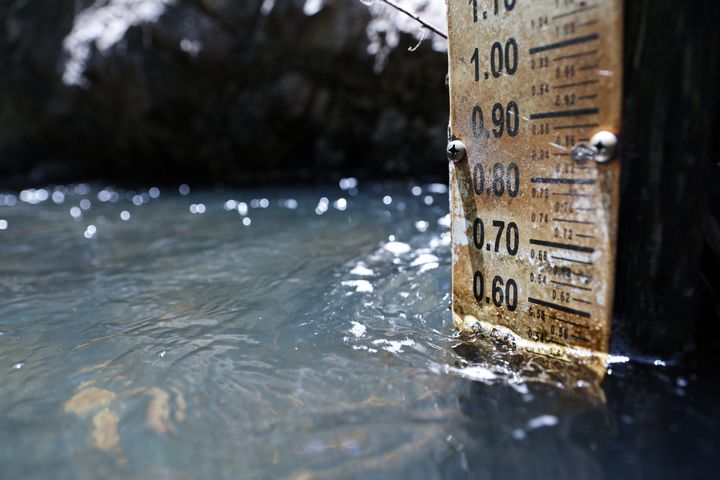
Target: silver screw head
605,145
456,150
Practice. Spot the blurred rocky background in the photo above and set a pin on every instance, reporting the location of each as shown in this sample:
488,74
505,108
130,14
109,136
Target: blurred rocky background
152,92
139,91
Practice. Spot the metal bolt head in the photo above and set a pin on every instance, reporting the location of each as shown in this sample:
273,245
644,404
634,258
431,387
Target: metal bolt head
605,145
582,153
456,150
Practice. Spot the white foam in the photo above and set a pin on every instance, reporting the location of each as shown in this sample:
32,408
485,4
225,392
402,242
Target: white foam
397,248
360,286
424,259
361,270
393,346
542,421
476,372
358,329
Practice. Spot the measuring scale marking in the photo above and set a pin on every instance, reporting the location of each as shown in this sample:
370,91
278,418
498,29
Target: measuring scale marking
533,230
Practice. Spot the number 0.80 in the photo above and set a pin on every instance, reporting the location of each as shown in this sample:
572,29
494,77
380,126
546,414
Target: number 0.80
502,180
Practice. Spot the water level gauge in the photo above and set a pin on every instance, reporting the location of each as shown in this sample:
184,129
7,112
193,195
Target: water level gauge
535,92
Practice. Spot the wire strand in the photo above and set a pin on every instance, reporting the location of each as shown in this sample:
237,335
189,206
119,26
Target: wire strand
428,25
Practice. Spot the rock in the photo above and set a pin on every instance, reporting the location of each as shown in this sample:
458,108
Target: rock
212,90
89,399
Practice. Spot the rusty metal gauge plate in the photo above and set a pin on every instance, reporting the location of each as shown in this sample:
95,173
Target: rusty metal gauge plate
535,93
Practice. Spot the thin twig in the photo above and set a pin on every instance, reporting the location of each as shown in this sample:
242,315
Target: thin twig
422,22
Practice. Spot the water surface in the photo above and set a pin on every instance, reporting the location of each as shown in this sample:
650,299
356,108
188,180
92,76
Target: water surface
288,333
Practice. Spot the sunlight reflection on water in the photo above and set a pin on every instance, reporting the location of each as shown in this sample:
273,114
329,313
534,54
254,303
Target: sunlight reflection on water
301,333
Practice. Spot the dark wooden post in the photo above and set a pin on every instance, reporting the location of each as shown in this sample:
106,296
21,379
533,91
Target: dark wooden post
669,240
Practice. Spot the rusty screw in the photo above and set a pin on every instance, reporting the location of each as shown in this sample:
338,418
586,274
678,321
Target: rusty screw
456,151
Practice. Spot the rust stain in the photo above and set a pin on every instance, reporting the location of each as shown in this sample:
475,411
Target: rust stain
526,85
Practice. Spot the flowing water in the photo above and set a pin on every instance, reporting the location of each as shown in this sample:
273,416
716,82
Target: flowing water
288,333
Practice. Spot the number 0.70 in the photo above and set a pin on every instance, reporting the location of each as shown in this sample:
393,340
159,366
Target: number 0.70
512,236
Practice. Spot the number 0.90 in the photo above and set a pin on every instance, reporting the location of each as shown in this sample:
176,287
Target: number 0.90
505,119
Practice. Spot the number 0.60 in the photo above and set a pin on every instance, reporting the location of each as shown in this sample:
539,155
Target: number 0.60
507,296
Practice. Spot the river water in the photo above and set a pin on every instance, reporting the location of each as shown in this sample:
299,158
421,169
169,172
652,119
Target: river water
289,333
